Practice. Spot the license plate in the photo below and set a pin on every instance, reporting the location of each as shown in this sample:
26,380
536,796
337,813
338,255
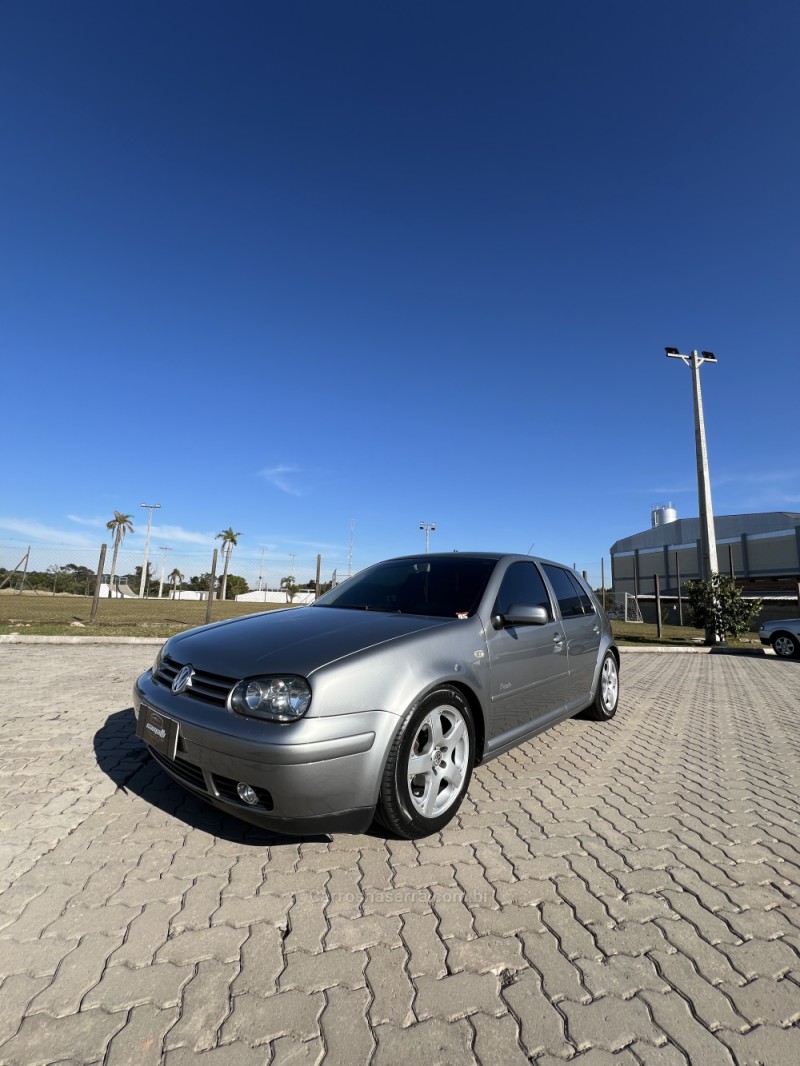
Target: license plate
160,732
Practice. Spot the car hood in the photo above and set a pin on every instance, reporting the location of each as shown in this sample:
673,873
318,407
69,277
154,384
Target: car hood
297,641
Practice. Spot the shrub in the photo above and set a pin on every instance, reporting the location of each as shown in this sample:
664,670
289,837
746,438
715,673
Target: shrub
718,604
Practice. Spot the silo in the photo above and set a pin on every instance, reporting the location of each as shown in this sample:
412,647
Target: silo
662,516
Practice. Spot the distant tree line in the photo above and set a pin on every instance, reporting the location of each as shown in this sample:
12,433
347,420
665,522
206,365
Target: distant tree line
73,579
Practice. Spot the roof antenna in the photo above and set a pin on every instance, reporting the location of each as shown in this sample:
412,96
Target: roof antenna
529,549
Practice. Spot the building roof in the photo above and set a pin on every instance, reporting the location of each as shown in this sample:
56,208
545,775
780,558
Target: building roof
726,527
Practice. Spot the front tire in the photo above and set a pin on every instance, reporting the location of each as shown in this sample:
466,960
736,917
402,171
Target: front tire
429,765
785,646
606,698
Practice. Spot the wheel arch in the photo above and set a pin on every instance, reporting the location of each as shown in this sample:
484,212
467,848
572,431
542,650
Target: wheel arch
473,702
477,716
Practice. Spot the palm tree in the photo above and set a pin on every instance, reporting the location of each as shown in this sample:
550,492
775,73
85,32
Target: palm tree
289,587
229,541
176,579
119,525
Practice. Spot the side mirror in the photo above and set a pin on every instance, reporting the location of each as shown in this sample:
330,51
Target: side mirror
520,614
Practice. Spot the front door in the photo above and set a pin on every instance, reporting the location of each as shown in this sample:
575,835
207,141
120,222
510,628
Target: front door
529,669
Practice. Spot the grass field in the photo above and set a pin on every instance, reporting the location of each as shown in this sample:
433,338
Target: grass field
45,615
57,615
633,633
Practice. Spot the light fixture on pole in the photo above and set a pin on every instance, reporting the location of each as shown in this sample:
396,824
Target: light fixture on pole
143,583
428,527
708,540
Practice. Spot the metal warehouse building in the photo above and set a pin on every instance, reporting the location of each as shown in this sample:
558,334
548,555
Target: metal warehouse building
764,550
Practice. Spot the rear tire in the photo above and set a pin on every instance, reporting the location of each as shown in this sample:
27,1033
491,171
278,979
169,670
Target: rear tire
429,766
606,698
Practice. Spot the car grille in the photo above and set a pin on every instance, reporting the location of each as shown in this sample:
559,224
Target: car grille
186,772
192,776
209,688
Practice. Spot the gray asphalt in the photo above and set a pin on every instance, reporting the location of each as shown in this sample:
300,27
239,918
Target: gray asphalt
611,895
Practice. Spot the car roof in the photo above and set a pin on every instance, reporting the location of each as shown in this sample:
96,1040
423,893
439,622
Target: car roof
496,556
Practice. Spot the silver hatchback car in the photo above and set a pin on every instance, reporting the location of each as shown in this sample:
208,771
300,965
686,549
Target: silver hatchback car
378,700
783,635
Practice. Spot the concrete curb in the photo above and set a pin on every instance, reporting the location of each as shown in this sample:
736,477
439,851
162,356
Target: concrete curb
17,638
665,649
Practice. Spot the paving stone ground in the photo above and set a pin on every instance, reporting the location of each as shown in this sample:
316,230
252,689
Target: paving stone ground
609,895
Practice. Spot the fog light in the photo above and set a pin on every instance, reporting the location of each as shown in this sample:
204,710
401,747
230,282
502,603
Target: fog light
247,794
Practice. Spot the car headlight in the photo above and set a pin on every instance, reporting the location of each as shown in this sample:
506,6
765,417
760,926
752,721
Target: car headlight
159,656
279,699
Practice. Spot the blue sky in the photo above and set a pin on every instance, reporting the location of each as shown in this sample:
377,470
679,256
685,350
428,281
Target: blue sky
285,266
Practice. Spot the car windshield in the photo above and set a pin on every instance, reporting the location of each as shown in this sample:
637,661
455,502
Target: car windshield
443,586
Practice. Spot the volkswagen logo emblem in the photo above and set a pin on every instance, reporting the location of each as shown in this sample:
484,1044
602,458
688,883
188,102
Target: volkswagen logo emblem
183,680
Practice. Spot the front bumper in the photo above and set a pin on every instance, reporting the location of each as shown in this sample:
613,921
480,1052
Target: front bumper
317,775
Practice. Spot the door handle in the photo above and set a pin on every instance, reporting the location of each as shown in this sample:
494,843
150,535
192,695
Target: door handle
558,639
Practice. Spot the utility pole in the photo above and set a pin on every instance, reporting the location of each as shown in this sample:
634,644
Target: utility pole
143,583
163,548
708,540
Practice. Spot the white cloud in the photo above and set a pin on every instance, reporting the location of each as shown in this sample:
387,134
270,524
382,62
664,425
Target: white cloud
178,533
276,476
93,523
37,533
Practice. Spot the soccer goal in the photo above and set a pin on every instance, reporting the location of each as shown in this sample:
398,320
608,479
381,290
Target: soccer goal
633,612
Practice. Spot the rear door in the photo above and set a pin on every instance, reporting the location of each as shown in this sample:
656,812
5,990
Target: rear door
582,629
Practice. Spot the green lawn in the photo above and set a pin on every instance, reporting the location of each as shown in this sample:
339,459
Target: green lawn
54,615
47,615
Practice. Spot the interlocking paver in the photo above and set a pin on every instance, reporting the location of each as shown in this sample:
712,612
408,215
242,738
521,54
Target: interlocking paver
542,1025
391,988
141,1041
206,1004
76,974
621,895
673,1015
346,1028
497,1040
485,954
122,987
457,996
445,1043
221,942
79,1037
257,1019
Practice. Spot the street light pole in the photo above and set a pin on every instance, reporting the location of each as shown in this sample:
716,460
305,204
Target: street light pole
143,583
428,527
708,540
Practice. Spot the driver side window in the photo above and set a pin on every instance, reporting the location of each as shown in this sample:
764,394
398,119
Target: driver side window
522,584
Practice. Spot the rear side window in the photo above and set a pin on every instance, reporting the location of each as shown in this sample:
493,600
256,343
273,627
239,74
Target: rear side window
583,595
572,599
522,584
